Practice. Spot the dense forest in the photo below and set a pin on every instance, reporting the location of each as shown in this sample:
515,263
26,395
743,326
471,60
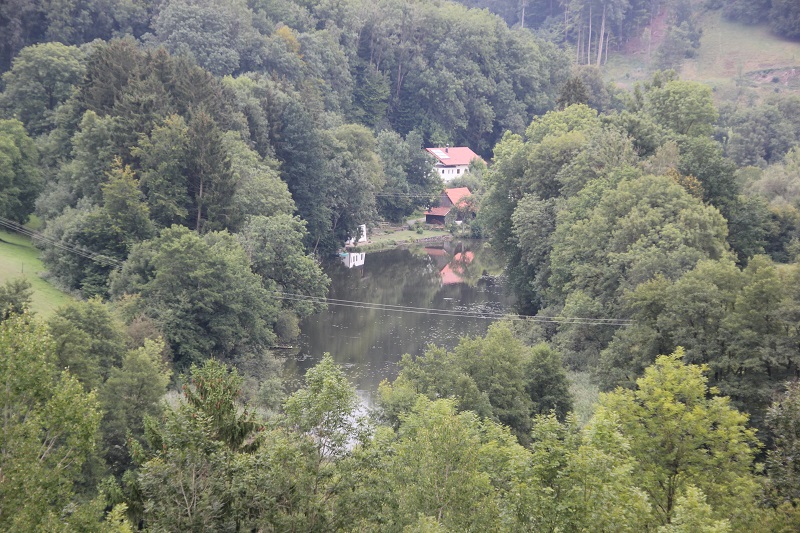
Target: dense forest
188,163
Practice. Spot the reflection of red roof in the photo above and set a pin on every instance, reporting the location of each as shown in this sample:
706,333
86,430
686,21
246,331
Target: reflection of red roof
467,257
455,155
457,194
449,277
438,211
453,271
435,252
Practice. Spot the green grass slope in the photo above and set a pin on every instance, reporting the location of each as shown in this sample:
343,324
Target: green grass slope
729,52
19,258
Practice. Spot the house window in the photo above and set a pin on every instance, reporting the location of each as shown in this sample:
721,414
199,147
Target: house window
458,171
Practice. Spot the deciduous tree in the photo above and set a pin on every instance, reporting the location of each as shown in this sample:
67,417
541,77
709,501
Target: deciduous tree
682,435
201,293
783,469
274,245
42,77
134,390
495,376
49,427
325,409
685,107
15,297
88,340
784,16
20,177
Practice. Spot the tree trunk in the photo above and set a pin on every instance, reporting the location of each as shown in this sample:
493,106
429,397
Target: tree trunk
199,207
600,40
589,39
399,79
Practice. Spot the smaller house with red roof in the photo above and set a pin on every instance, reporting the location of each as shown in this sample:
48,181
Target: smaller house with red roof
452,162
447,212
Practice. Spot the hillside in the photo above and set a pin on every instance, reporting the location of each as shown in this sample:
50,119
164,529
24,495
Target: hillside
18,258
193,163
728,51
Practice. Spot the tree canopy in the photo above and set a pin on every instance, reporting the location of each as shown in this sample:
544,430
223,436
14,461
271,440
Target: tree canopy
187,168
201,292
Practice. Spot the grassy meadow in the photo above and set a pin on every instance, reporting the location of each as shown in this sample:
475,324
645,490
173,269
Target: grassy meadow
19,258
728,52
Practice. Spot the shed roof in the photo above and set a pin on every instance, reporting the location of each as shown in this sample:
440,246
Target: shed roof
457,194
438,211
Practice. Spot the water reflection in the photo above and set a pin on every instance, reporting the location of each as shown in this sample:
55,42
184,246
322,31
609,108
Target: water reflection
368,343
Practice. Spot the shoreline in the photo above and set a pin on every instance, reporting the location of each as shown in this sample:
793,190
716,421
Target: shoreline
399,243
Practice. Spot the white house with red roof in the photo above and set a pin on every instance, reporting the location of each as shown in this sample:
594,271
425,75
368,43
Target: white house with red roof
445,212
452,162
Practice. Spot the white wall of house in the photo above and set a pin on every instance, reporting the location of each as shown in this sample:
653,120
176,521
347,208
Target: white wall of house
452,172
353,260
362,236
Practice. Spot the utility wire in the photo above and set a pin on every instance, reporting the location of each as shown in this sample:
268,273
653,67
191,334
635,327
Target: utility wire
405,195
24,231
454,313
485,316
425,308
99,258
83,252
35,235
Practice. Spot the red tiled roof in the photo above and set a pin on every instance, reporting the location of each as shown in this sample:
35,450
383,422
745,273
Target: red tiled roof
457,194
455,155
438,211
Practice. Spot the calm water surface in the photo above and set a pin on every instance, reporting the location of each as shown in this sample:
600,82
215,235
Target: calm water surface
368,343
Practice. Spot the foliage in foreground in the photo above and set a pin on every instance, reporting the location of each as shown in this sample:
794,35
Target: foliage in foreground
210,460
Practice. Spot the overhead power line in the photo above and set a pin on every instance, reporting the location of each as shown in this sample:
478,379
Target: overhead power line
453,312
71,248
487,315
404,195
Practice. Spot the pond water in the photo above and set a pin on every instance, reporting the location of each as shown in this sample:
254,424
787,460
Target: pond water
449,278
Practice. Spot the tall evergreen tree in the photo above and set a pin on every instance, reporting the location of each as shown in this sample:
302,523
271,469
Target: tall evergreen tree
211,181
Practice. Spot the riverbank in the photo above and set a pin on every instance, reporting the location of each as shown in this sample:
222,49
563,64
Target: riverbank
414,231
387,237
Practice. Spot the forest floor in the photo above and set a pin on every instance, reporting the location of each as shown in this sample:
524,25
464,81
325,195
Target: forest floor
19,258
730,55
